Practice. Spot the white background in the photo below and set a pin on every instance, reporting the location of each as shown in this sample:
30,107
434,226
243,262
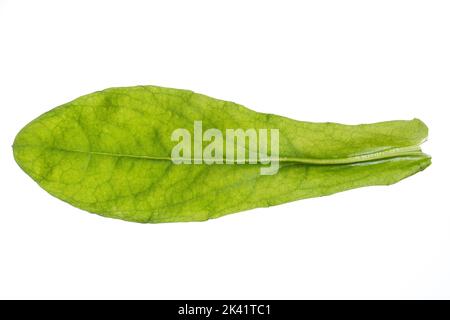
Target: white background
341,61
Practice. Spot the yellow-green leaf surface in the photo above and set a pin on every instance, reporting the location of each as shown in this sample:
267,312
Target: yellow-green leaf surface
109,153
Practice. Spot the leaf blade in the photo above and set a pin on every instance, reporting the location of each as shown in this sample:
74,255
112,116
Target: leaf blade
109,153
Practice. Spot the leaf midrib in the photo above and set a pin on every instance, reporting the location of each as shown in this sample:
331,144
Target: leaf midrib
372,156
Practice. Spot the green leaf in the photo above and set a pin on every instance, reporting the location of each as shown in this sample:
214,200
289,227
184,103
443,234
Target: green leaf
109,153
